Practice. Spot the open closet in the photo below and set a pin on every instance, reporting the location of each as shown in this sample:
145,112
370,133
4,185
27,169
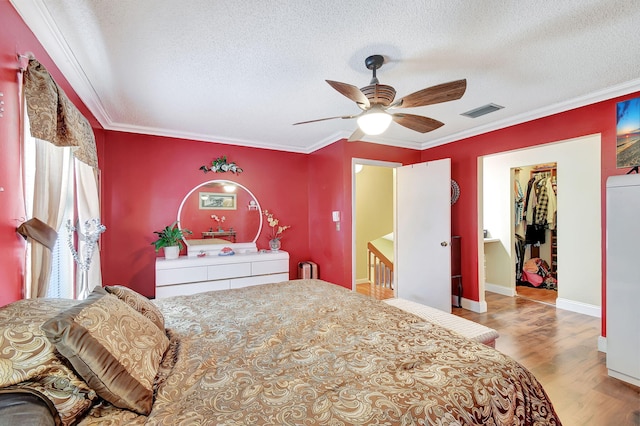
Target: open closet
579,222
536,231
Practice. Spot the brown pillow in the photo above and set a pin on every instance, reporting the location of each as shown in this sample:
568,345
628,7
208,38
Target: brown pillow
115,350
28,361
139,303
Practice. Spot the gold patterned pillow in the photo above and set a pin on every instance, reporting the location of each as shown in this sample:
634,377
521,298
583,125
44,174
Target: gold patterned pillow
29,361
139,303
113,347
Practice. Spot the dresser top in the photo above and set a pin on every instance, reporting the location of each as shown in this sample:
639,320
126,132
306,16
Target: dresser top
189,261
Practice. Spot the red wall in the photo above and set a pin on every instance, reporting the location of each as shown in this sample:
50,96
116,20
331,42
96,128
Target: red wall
591,119
15,37
330,190
145,179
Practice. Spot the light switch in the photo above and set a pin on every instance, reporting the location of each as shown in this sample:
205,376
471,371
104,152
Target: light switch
336,216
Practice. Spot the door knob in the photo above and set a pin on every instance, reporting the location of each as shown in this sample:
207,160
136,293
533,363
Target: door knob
444,244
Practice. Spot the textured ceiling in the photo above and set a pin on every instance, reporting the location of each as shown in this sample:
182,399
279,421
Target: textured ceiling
243,72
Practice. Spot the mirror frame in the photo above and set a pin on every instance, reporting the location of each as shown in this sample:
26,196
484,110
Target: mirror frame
214,249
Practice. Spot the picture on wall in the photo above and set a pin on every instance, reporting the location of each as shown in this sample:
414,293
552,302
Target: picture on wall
217,201
628,133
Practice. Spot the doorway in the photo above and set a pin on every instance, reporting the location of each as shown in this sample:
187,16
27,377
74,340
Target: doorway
421,226
535,192
373,206
579,244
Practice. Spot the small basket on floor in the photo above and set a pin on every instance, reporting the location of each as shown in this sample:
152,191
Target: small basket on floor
307,270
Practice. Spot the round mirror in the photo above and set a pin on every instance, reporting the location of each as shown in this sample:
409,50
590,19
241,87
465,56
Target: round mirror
220,212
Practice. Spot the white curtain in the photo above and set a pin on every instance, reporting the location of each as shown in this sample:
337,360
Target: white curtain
51,182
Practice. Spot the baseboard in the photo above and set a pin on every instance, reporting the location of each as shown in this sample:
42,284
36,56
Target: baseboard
500,289
624,377
362,281
471,305
579,307
602,344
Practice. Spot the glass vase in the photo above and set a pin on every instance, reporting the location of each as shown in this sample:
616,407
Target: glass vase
275,244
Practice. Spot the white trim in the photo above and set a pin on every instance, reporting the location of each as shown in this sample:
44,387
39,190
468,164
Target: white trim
588,99
471,305
362,281
602,344
624,377
579,307
500,289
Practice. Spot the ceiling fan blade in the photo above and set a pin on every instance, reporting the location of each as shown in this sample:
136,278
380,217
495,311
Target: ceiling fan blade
357,135
351,92
345,117
417,122
444,92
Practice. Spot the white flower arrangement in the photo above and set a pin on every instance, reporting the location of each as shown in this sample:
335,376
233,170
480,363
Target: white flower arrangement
276,230
220,165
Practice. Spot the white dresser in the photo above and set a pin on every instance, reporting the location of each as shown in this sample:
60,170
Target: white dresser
190,275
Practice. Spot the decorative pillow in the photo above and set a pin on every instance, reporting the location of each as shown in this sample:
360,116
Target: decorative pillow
139,303
114,348
30,362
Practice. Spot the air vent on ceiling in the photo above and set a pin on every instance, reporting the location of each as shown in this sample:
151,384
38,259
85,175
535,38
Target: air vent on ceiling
485,109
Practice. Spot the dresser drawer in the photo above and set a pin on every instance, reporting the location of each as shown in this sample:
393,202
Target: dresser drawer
181,275
257,280
218,272
270,267
190,288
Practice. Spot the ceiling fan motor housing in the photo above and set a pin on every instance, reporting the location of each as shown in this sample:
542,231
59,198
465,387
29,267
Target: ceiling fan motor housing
380,94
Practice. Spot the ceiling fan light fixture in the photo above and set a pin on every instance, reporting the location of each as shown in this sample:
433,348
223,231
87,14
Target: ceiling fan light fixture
374,121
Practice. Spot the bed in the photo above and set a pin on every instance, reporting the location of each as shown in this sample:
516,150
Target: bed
300,352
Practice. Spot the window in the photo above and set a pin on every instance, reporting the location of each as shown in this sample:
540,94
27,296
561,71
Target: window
56,160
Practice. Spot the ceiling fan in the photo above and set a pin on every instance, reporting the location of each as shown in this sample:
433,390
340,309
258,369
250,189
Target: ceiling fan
377,99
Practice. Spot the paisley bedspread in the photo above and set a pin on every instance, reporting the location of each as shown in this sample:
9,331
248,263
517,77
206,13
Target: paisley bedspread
307,352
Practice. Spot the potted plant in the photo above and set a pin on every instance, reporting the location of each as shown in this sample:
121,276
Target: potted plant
170,238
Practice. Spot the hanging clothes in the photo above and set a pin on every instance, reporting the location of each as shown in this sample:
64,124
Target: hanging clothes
518,196
520,253
529,201
540,210
552,203
534,232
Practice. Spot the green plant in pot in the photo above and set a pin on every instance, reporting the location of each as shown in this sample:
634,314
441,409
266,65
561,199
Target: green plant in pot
170,238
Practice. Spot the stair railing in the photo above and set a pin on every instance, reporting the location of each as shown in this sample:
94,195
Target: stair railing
380,268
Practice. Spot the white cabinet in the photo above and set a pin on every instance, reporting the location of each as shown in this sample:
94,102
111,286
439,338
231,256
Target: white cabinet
623,281
190,275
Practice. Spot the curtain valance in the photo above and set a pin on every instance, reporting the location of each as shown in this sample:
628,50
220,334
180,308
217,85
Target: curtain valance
54,118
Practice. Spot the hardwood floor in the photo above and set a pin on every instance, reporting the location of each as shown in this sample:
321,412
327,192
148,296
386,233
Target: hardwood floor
539,294
560,348
376,292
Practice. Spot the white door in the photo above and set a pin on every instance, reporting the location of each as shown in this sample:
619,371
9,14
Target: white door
423,233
